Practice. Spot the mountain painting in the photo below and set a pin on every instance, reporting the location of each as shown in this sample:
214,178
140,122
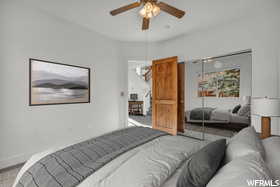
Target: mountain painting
55,83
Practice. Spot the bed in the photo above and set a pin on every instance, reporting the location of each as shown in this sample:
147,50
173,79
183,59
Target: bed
151,159
171,151
215,117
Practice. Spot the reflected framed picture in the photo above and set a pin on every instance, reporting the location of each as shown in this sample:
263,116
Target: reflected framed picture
224,83
52,83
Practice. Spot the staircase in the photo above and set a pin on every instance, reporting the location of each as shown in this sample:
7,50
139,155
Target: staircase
148,75
149,112
144,72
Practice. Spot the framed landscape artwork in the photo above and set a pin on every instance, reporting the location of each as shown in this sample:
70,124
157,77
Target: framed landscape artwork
55,83
219,84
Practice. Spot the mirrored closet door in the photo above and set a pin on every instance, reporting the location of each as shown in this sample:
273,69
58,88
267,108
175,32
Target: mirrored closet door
218,95
194,104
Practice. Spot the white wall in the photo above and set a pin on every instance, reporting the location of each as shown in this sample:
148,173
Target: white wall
243,61
259,33
26,33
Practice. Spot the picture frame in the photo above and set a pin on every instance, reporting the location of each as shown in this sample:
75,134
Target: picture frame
220,84
53,83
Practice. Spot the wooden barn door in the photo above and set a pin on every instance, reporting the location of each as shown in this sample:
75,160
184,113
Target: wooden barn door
165,95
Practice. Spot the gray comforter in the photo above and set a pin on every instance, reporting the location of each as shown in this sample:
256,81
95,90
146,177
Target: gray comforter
72,165
201,113
216,115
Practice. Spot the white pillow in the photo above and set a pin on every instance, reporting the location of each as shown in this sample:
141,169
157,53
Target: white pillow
239,171
272,154
244,143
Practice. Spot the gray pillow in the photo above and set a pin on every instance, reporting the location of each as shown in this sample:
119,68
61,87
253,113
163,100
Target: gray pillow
236,109
244,110
244,143
202,165
239,171
272,151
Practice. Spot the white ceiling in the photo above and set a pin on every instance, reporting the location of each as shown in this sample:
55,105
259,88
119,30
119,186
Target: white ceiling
201,14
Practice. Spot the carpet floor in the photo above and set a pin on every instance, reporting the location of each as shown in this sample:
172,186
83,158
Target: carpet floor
8,176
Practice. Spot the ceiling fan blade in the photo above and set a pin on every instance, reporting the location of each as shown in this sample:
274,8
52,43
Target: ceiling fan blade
125,8
146,23
171,10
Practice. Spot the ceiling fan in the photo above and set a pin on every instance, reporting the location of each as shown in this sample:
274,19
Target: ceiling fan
150,8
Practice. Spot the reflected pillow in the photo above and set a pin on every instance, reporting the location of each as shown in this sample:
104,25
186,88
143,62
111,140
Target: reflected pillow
236,109
202,165
244,110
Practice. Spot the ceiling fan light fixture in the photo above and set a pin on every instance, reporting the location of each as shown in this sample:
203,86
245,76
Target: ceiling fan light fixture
143,12
149,10
149,15
156,10
149,7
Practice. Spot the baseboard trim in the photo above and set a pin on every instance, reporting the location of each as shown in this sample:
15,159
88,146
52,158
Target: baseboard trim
11,167
14,161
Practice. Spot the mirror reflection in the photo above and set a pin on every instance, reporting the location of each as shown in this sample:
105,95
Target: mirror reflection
217,95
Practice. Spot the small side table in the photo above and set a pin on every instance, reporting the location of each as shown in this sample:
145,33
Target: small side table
135,107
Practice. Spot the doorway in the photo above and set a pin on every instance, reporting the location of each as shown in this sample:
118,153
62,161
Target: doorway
156,94
140,93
